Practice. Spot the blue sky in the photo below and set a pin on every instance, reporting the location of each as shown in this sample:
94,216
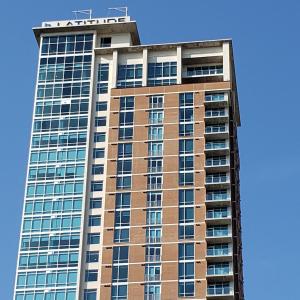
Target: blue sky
266,46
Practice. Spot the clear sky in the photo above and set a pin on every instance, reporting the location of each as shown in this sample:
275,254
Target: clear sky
267,49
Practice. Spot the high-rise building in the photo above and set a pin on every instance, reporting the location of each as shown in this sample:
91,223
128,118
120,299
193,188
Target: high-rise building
132,190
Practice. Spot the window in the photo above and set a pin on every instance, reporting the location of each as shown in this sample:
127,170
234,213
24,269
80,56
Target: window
123,182
120,255
105,42
95,203
186,146
93,238
186,215
186,232
126,103
99,137
92,256
95,220
186,197
100,121
204,70
91,275
153,253
153,234
154,217
122,218
124,166
154,181
126,118
120,273
186,129
155,165
217,195
90,295
218,250
156,116
97,169
125,133
154,199
155,133
164,73
186,288
98,152
186,270
222,288
122,200
217,230
152,291
186,115
186,251
124,150
186,178
216,144
186,99
156,101
186,163
129,75
218,269
119,292
102,83
101,106
96,186
152,272
121,235
155,149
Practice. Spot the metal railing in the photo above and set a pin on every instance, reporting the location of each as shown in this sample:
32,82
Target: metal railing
212,291
152,258
152,277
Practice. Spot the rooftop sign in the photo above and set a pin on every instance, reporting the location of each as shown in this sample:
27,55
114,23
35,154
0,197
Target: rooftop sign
70,23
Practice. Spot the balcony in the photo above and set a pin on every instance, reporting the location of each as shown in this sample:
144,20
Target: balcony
217,147
216,98
202,73
216,253
218,180
217,130
217,163
153,258
216,115
218,216
219,271
219,291
219,197
218,233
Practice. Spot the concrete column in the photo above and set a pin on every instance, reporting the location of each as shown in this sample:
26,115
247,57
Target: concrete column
114,69
226,62
145,67
179,64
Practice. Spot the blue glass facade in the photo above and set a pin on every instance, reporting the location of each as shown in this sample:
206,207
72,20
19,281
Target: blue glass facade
48,266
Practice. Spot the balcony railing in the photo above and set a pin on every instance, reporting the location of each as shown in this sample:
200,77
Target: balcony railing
218,179
152,297
217,232
216,145
219,271
155,152
216,129
154,186
213,162
215,97
155,137
217,197
201,71
152,277
155,121
215,113
217,214
151,239
154,203
216,291
152,221
157,169
218,252
153,258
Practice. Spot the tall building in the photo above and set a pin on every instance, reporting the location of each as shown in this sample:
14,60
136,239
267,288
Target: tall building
132,190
